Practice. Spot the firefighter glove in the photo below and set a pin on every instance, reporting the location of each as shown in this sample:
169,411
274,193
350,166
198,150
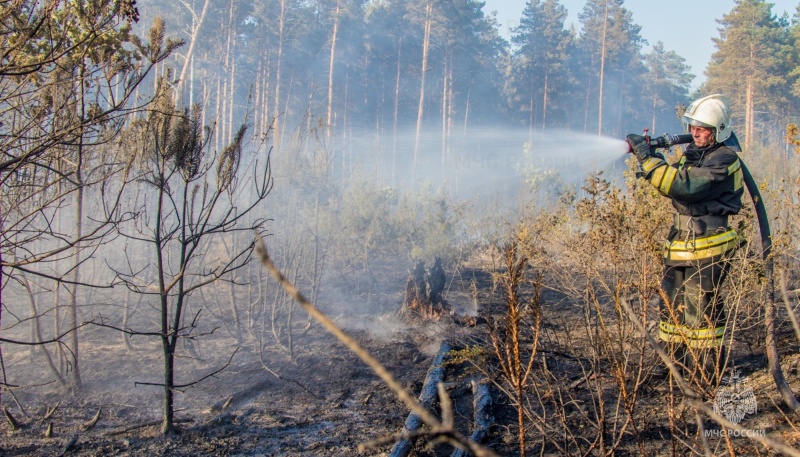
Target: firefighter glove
639,146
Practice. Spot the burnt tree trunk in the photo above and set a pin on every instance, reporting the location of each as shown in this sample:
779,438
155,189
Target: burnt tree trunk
423,293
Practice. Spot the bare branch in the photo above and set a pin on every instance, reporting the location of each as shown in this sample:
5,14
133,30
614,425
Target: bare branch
57,339
182,387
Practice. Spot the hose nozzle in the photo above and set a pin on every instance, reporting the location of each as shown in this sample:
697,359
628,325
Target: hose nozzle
664,141
667,140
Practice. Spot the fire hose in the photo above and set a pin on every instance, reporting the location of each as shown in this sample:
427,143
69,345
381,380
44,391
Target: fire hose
667,141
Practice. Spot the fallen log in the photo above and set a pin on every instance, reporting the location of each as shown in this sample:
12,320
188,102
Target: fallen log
483,417
427,397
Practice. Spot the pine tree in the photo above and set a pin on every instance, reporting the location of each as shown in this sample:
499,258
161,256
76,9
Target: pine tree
612,44
666,84
540,57
748,65
68,83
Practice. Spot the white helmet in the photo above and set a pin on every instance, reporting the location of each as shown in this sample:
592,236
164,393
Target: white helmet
712,112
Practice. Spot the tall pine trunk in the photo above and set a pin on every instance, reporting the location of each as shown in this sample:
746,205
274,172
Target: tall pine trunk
329,120
197,23
396,107
75,375
602,72
276,120
544,99
749,113
420,110
445,104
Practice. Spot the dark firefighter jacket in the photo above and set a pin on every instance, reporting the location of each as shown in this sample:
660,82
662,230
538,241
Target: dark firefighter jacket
706,186
705,182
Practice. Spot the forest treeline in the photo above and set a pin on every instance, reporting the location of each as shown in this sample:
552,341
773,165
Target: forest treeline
444,64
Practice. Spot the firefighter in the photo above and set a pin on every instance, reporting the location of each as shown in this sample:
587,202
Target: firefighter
706,187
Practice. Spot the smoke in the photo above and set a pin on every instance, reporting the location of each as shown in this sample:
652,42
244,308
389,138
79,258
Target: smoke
490,170
387,327
483,164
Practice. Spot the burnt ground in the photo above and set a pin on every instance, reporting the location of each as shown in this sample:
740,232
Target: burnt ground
325,402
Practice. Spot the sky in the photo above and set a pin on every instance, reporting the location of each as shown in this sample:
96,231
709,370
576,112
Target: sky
684,26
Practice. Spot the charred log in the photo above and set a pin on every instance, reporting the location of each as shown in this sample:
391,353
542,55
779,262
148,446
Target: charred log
427,397
483,417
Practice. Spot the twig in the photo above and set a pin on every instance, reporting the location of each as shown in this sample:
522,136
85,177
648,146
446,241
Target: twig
50,412
57,339
701,430
785,417
182,387
433,432
293,381
68,446
16,400
586,377
676,374
93,421
15,425
146,424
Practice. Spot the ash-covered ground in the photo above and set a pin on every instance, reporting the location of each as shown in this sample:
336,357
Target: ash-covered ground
321,400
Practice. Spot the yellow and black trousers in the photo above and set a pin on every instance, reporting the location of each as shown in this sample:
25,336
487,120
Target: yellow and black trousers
694,318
